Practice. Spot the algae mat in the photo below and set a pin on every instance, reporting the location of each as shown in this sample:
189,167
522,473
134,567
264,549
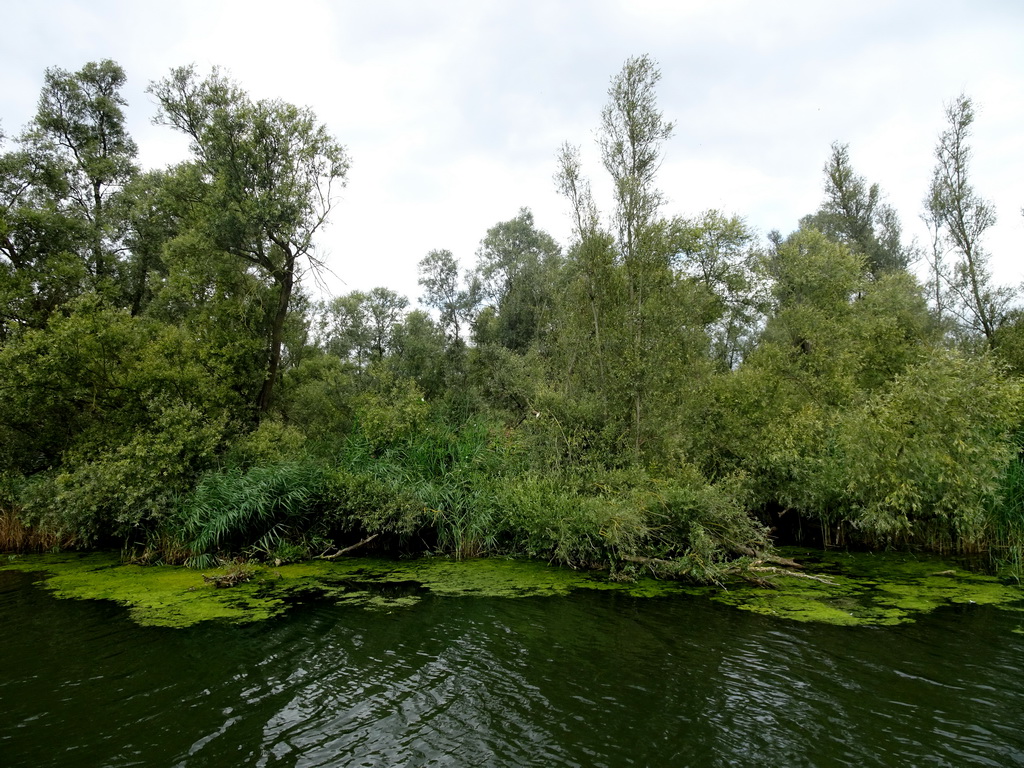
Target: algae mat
874,589
835,588
173,596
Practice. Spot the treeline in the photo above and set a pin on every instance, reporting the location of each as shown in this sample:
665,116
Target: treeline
663,393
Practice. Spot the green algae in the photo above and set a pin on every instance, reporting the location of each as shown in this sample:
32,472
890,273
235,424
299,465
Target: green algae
179,597
873,589
836,588
153,595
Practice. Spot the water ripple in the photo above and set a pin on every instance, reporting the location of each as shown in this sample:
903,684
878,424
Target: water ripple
591,680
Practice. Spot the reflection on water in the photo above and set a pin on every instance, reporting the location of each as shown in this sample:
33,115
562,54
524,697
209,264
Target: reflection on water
592,680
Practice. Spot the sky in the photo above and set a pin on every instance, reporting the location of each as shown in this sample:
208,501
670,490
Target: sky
453,111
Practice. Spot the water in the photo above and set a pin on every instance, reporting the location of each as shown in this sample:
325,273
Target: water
595,679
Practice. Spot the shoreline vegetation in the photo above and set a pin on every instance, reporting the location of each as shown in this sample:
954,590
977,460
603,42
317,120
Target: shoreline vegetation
664,395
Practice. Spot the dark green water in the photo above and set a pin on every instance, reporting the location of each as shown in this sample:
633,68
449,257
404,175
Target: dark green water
596,679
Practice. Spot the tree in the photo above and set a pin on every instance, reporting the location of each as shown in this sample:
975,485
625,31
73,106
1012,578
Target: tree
439,276
62,211
419,352
632,133
107,417
927,456
961,217
717,253
270,171
631,326
384,311
343,329
853,214
590,266
79,128
515,265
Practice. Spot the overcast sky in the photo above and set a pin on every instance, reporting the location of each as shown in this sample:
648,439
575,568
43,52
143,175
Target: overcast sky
453,112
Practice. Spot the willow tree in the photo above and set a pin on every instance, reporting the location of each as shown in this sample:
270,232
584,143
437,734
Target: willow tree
960,218
516,264
854,214
62,217
632,133
629,330
270,175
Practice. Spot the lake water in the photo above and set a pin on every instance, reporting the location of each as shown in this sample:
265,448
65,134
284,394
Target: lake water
593,679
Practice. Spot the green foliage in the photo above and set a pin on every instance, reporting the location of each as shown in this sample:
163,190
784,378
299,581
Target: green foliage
272,442
853,214
359,502
646,401
268,175
446,469
515,266
960,217
679,525
260,509
1008,519
717,254
547,517
318,398
935,444
123,488
111,414
454,303
389,411
418,345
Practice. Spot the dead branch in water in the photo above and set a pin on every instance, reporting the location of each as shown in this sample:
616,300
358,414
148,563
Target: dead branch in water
346,550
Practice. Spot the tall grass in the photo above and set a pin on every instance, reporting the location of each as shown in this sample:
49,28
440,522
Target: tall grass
261,509
446,470
16,536
1008,523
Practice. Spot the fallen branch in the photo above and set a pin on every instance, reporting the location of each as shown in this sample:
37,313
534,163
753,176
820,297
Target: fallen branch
346,550
779,571
649,561
764,557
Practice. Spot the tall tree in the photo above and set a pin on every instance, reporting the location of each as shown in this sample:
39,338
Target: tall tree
62,218
591,263
853,214
454,301
385,309
271,174
632,133
962,217
343,331
79,128
631,326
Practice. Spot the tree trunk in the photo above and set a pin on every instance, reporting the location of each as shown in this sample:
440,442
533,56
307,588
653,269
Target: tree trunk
285,280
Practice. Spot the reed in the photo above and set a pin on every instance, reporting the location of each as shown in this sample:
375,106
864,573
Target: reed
261,508
445,469
16,536
1007,529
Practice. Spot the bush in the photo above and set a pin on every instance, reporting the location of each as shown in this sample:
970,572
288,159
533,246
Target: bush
932,448
361,503
126,488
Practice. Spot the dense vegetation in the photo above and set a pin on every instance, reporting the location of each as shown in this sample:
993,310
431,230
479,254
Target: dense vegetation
662,392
